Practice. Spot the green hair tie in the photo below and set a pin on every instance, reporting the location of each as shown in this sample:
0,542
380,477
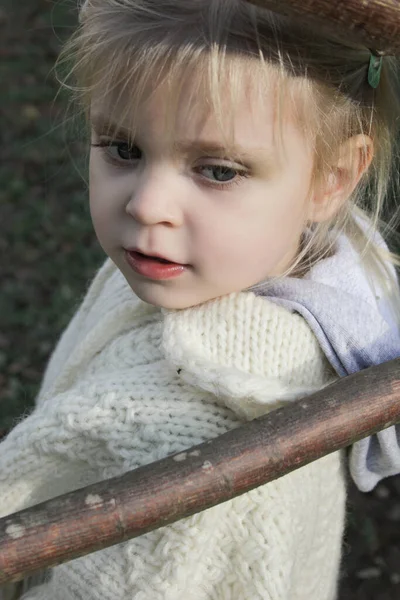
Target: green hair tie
374,69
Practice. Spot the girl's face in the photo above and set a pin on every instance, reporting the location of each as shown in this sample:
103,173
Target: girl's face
223,221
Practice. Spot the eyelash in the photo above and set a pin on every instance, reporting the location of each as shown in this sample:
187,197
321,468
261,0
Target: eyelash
105,148
106,145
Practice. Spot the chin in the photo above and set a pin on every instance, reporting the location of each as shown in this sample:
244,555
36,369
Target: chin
164,298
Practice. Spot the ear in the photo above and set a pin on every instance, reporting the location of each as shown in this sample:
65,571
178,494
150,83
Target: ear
354,157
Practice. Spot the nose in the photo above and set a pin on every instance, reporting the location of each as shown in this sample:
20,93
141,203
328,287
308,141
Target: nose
156,198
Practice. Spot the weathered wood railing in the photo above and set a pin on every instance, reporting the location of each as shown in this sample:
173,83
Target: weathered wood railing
152,496
256,453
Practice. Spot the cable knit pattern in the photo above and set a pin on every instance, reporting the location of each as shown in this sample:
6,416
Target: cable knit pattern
129,384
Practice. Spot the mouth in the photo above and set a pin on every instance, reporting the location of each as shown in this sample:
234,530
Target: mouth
153,266
156,257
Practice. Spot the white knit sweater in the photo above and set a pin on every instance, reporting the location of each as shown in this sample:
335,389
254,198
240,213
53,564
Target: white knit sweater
129,384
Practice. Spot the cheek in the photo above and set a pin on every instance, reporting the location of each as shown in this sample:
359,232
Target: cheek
254,234
228,240
108,195
100,202
96,186
99,209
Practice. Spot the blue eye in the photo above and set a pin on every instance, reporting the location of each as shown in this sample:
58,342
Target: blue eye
219,173
119,151
127,152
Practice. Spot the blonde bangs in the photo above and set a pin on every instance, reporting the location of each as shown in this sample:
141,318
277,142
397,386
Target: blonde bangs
121,75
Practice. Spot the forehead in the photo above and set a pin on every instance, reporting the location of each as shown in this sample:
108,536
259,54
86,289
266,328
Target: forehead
245,111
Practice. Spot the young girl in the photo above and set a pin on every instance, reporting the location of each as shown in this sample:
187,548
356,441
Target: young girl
239,164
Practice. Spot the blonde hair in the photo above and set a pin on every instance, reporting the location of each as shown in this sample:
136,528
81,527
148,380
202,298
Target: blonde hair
124,48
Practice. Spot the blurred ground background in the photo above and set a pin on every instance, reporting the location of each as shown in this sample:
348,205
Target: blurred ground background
48,255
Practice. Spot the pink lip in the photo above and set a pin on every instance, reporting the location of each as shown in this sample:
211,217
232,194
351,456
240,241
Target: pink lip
150,266
149,254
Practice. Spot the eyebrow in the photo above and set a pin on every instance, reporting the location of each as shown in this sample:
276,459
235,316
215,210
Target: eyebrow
102,125
214,148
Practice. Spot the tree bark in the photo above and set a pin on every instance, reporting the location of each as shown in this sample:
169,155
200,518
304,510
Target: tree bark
170,489
375,23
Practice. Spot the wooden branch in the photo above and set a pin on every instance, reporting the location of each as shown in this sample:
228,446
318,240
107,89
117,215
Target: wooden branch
375,23
152,496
